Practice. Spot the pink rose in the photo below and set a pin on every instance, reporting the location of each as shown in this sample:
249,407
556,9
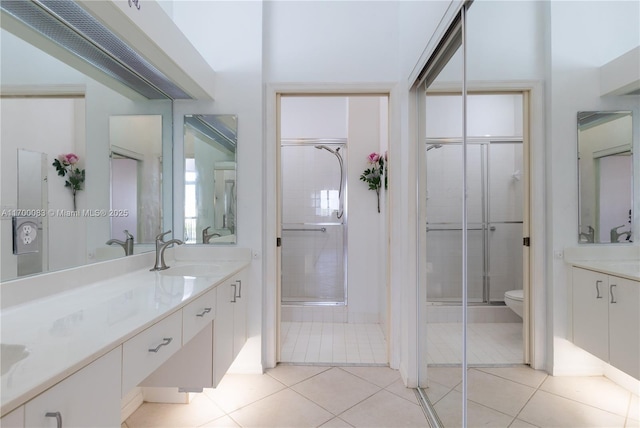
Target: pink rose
71,159
374,157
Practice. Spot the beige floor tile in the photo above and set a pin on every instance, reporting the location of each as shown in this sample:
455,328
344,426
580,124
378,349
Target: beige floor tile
631,423
385,409
517,423
496,393
336,390
549,410
381,376
596,391
238,390
523,374
436,391
292,374
400,390
447,376
336,423
449,410
223,422
200,411
124,425
283,409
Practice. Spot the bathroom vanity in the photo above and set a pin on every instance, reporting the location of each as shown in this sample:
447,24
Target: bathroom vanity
71,356
605,311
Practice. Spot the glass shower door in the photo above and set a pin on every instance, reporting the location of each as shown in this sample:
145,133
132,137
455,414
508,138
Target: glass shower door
313,237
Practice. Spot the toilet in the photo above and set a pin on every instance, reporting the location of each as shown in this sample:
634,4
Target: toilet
513,299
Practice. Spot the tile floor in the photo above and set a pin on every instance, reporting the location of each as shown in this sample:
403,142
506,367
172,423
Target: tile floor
524,398
488,343
332,343
314,396
294,396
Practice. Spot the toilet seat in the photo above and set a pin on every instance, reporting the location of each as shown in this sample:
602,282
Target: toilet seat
515,295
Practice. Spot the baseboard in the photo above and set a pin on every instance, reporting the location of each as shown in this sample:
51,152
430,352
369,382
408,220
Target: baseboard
130,403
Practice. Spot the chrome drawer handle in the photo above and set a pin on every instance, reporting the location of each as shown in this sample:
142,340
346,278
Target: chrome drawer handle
167,340
239,281
205,311
56,415
598,296
234,293
613,298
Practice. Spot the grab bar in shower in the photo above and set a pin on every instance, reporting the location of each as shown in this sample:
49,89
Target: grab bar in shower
322,229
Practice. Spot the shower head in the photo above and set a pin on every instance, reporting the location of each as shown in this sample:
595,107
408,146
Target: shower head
434,146
320,147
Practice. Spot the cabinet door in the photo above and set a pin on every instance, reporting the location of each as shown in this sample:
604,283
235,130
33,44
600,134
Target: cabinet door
88,398
15,419
624,325
223,330
590,312
240,315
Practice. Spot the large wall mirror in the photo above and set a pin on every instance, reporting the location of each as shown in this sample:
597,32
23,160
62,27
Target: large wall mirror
210,179
117,136
605,168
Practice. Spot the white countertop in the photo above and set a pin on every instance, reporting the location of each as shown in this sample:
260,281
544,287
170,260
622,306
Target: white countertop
629,269
65,331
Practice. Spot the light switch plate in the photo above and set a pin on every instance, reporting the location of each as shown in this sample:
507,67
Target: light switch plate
26,235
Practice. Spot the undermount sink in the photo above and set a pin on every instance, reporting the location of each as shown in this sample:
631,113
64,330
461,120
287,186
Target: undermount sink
10,355
192,270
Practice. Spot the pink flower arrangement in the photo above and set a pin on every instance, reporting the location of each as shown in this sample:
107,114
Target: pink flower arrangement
65,165
375,173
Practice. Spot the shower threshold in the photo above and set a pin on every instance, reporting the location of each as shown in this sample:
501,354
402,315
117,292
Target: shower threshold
311,303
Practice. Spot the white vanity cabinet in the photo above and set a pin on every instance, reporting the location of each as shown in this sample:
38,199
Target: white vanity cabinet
606,318
230,325
212,339
15,419
88,398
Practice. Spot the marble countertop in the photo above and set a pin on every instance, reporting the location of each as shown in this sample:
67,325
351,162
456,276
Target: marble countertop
64,332
629,269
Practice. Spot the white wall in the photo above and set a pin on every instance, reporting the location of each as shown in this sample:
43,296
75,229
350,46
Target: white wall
228,34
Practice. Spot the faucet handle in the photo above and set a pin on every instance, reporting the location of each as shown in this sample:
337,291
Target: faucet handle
205,229
129,236
161,235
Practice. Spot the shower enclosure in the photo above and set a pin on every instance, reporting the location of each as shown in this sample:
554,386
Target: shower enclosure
494,215
313,222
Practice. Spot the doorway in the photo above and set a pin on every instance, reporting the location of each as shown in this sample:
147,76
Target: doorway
331,302
496,148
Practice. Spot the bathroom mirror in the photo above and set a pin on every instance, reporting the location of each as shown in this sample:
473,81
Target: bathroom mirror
605,176
136,171
50,108
210,179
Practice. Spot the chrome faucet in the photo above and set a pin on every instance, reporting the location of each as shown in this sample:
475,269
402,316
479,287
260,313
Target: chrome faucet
588,236
161,245
206,237
615,236
127,244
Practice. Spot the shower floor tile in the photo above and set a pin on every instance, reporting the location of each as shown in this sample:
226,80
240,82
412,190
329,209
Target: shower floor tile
332,343
488,343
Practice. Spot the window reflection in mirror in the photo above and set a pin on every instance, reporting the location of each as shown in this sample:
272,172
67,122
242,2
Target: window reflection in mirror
210,179
605,167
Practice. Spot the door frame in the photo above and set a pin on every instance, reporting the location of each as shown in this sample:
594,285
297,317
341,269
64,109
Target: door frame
537,352
271,316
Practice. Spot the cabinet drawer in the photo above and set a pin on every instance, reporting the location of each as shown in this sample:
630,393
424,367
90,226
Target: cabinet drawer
198,314
88,398
145,352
